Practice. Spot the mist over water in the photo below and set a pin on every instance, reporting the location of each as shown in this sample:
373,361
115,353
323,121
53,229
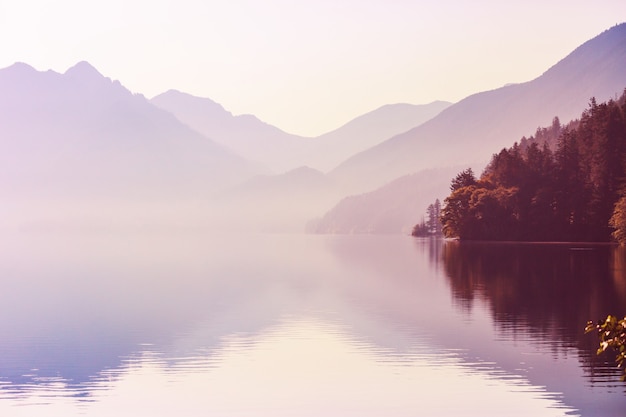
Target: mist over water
248,324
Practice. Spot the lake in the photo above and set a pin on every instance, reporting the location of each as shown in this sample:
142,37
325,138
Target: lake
295,325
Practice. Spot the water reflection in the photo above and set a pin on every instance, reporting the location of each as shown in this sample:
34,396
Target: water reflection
75,307
301,367
545,293
284,325
533,282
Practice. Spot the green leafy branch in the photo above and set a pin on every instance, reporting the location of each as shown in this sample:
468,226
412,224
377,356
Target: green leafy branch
612,335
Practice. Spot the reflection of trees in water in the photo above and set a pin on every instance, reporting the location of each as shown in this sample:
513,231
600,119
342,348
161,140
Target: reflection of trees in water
548,291
430,246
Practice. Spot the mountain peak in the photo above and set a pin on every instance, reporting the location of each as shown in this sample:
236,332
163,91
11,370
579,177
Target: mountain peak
83,69
19,68
22,66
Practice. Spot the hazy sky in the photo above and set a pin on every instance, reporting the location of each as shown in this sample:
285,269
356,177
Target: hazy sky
304,66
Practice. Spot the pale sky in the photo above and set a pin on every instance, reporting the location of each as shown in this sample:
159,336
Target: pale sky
306,67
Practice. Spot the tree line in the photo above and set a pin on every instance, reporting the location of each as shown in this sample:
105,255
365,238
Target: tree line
565,183
430,226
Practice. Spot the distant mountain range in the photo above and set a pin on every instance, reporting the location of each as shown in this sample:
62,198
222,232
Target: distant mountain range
245,135
280,151
474,128
80,133
467,133
369,130
81,146
277,203
393,208
297,190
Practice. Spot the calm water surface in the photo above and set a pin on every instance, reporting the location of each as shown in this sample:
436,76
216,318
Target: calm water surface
271,325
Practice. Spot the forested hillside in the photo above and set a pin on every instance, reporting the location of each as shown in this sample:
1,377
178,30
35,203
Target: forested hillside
563,184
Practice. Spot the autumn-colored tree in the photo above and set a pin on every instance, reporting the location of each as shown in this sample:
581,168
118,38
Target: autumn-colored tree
618,221
532,191
612,334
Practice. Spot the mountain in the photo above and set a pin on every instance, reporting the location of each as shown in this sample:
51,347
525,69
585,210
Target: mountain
246,135
286,200
81,143
307,179
466,134
369,130
277,203
280,151
393,208
470,130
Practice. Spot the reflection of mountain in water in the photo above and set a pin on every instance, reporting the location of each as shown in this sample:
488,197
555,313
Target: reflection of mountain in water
95,307
547,291
80,307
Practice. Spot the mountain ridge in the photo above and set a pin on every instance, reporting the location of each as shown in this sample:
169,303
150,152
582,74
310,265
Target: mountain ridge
92,137
489,120
469,132
82,143
234,132
281,151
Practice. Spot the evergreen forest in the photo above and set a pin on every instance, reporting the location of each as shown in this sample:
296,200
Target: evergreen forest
430,227
565,183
